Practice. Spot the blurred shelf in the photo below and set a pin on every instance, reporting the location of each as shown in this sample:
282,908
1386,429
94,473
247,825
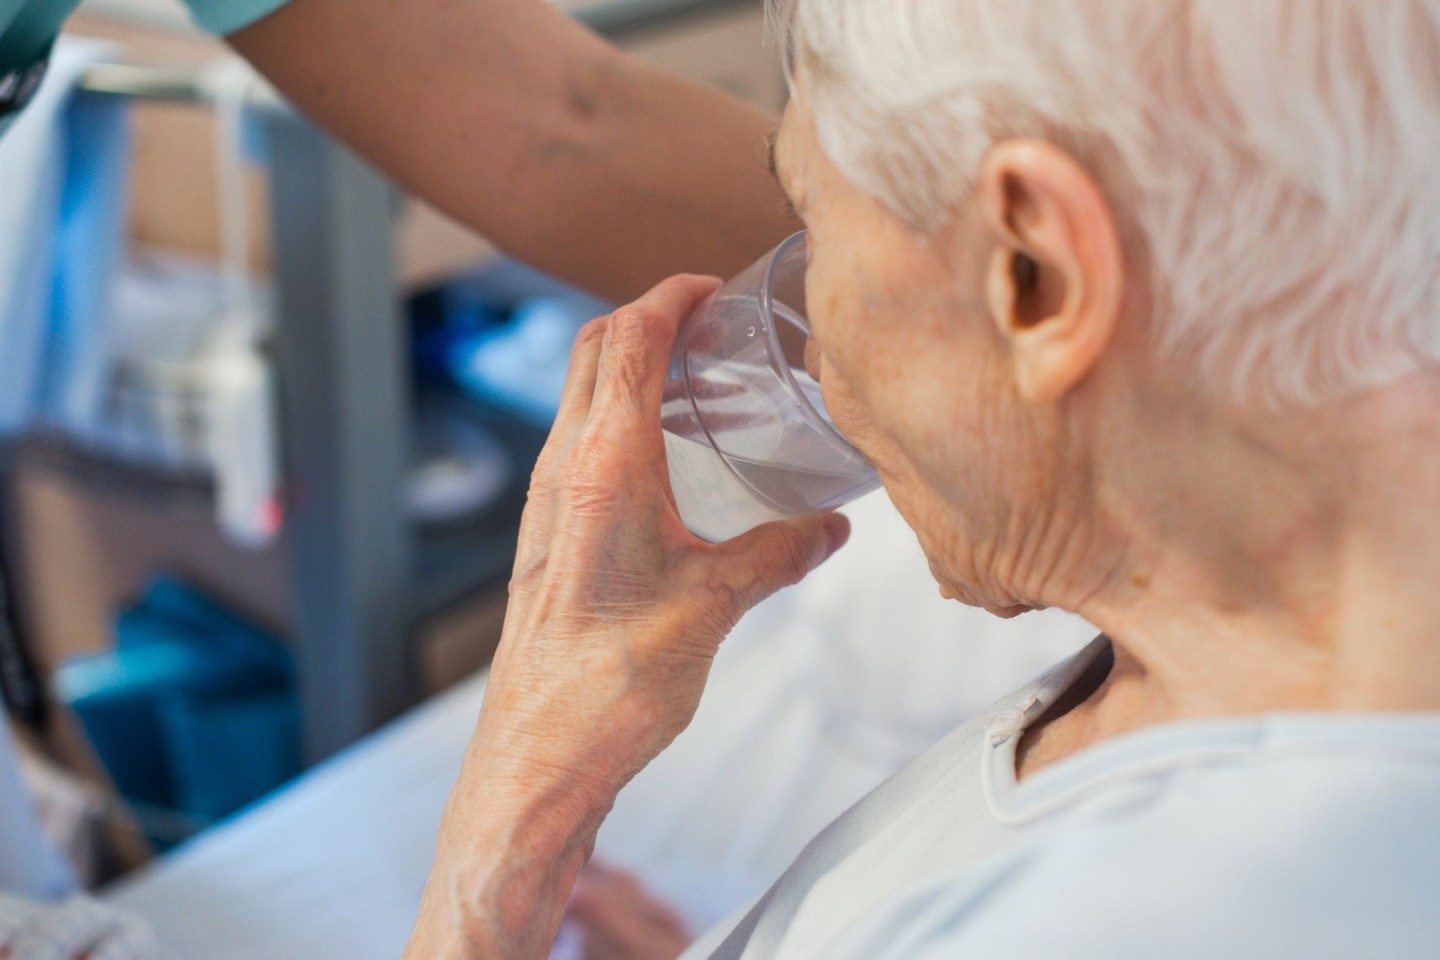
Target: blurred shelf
457,559
188,492
362,572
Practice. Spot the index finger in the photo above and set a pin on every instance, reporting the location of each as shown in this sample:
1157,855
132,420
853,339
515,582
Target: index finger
639,338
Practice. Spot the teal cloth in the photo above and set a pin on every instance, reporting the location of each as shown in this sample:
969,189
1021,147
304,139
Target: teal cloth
29,27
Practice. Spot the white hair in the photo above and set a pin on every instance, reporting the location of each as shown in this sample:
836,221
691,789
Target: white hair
1278,161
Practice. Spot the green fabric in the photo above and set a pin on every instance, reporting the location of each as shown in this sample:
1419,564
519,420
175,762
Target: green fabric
223,17
29,27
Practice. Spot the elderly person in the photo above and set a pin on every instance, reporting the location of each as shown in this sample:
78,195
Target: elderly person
1136,309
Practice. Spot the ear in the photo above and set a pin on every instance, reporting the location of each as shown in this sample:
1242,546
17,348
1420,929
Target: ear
1055,282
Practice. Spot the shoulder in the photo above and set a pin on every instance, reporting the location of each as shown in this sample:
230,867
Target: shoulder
1321,853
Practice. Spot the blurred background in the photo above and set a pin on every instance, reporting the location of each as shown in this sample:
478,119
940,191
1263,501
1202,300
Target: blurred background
232,281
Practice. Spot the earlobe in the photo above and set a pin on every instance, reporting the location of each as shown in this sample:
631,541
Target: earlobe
1055,278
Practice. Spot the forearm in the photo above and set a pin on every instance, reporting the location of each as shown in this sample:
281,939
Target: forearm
509,850
514,119
539,777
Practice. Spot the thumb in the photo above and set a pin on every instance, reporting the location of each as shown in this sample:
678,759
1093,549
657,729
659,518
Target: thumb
782,553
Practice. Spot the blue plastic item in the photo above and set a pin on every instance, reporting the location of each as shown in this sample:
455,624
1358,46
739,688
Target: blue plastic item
521,367
124,732
194,710
224,754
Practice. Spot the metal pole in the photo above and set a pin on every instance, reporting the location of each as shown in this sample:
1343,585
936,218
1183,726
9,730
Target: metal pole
345,397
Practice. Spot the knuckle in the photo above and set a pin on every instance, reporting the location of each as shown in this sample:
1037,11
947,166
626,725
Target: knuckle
713,612
524,576
739,582
636,336
591,334
542,474
637,322
590,484
627,382
590,499
793,560
591,455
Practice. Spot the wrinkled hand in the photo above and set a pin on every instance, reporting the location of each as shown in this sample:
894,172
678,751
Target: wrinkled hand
616,610
618,919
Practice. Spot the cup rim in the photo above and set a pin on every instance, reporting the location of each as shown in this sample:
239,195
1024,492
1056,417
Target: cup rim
777,353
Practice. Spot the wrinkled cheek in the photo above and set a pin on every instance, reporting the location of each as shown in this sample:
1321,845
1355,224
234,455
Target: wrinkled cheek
814,360
844,405
856,412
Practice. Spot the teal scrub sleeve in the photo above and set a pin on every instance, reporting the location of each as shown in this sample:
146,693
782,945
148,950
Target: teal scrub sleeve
223,17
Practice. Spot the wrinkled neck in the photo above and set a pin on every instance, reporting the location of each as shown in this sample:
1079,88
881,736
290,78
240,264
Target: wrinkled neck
1293,565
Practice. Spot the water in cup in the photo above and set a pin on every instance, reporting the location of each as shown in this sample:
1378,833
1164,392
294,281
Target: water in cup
722,495
746,433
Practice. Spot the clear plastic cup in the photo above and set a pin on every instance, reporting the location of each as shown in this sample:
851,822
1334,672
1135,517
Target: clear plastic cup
747,435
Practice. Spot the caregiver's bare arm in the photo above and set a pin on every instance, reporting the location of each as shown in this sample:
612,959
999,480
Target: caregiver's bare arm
514,119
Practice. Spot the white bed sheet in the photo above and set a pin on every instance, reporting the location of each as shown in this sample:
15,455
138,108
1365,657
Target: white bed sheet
820,694
330,867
